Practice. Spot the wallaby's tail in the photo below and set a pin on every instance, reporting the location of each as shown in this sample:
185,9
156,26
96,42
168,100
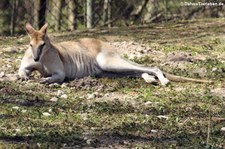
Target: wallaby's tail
185,79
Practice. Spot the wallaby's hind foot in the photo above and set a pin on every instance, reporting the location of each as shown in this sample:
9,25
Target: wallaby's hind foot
148,78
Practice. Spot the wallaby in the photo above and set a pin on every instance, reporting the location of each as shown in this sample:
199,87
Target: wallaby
84,57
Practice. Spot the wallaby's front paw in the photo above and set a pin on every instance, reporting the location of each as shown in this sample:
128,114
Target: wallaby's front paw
44,80
23,78
26,78
47,80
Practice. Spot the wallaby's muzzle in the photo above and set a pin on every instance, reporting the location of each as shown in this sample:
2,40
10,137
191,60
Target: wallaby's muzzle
36,59
37,54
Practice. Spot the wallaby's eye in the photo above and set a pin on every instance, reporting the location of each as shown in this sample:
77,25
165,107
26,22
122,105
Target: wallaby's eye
31,45
41,46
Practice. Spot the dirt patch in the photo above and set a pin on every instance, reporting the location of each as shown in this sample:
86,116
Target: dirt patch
8,91
220,92
86,83
8,77
136,49
118,98
178,59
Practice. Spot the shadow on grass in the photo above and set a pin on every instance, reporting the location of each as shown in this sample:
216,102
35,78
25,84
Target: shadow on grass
10,93
43,140
105,139
76,140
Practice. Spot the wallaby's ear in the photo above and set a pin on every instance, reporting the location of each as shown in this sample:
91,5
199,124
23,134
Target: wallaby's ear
30,30
44,28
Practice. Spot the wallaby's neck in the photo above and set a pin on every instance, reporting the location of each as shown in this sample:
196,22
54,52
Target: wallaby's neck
47,40
48,43
51,47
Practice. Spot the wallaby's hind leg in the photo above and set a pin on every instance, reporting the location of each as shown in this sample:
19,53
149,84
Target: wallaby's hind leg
108,74
111,74
112,62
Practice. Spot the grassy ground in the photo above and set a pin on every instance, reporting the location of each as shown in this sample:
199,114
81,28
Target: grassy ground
124,112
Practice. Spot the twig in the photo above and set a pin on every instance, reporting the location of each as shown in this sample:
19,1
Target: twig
209,126
218,119
110,21
155,17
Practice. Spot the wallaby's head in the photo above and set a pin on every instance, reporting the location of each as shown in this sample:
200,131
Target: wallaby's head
38,39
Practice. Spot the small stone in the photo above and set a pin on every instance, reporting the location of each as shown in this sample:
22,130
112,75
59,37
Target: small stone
2,74
94,95
38,145
9,66
91,96
64,96
54,99
163,117
89,141
17,130
222,129
154,131
59,93
15,107
107,95
64,85
214,69
148,103
24,111
46,114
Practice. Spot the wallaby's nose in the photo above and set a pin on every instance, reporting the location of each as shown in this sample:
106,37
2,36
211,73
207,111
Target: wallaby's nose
36,59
